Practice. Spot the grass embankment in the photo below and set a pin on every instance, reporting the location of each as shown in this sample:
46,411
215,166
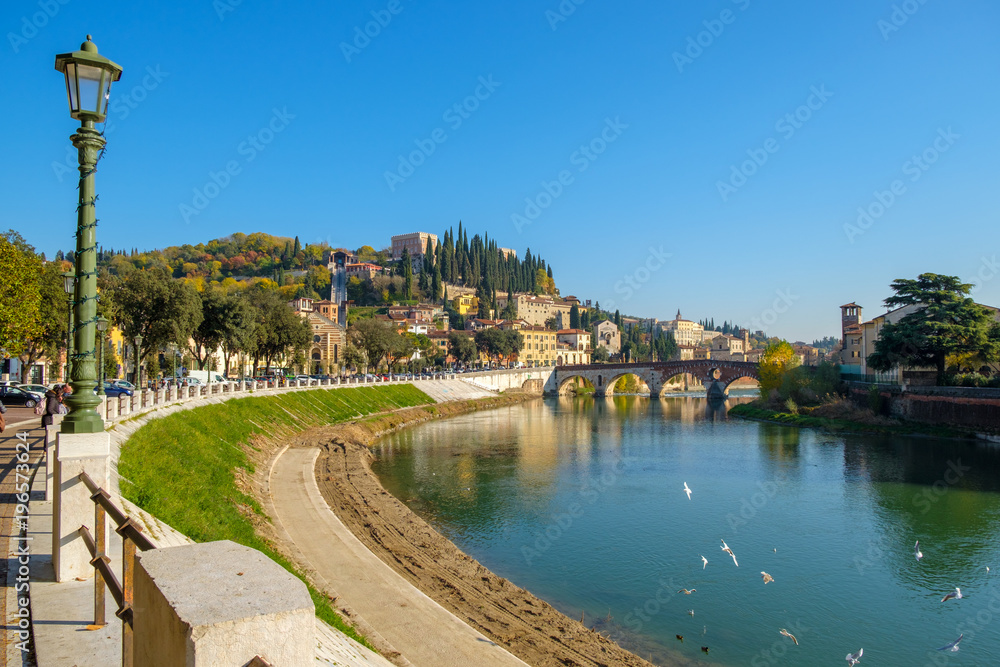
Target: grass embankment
185,468
757,413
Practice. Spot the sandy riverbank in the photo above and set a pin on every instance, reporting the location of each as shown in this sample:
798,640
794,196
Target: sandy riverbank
511,616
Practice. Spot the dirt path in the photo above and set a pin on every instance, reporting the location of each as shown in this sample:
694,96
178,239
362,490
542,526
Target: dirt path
528,627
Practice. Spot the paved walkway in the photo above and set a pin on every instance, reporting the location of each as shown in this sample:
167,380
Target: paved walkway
424,632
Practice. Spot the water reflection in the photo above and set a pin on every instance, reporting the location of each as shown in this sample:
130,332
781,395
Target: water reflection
832,517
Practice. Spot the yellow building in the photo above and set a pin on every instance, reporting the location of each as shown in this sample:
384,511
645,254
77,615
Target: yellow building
465,304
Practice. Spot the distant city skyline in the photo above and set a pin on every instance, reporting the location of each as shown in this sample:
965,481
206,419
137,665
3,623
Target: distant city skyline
751,162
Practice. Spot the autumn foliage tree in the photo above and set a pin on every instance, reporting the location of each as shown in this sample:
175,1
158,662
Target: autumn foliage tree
776,362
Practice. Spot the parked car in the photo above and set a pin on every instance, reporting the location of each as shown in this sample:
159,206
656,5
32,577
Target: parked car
16,396
39,389
112,390
123,383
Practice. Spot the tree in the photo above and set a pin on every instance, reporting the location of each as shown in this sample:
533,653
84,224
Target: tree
375,338
946,321
461,347
238,330
407,271
280,332
20,298
208,335
574,317
49,336
618,319
776,361
600,355
353,357
149,303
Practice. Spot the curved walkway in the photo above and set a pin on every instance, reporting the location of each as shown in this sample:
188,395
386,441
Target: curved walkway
424,632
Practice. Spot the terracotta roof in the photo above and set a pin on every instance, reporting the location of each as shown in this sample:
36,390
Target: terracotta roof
573,331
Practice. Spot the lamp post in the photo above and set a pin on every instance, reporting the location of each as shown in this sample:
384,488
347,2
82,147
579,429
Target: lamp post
69,284
137,363
88,87
102,326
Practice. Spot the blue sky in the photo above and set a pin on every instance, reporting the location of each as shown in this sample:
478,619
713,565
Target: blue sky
713,156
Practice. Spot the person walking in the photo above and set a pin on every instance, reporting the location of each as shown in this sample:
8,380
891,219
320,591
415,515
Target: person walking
3,422
53,403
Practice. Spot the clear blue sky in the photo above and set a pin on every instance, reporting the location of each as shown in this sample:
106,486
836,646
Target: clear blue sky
202,77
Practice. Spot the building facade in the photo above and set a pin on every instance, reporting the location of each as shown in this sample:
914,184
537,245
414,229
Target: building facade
607,334
415,244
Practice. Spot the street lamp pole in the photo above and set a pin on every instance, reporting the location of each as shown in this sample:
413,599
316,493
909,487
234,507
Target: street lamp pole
69,286
137,363
102,326
88,87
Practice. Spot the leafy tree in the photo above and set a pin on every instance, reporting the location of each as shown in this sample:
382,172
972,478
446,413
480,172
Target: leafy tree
400,349
946,322
208,335
353,357
50,331
462,348
280,332
618,319
20,298
238,328
152,305
776,361
375,338
600,355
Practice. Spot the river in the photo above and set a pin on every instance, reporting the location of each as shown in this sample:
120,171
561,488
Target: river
582,502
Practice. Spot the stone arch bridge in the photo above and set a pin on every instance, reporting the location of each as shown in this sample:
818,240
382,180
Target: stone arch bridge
715,375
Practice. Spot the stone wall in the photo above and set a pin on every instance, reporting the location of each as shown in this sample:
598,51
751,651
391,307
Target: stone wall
966,407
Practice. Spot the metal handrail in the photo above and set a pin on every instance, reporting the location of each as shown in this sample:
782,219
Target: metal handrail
132,538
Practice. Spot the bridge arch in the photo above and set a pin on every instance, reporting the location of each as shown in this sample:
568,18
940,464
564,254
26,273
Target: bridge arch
717,373
565,382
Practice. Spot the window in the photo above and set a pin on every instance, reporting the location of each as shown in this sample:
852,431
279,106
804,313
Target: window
317,338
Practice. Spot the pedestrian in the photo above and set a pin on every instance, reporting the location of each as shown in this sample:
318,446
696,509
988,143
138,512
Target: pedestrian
53,402
3,422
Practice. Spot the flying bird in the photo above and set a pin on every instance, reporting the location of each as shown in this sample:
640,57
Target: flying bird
853,658
766,577
953,647
916,551
686,591
788,634
725,547
687,490
957,595
704,563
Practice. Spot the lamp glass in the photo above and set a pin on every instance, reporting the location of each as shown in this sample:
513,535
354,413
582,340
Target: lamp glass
69,280
91,93
102,324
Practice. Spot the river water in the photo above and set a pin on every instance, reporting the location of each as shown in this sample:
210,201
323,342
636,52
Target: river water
581,501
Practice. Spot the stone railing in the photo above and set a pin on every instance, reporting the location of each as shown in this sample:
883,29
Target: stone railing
116,409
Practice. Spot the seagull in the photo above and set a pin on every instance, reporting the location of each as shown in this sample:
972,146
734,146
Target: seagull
725,547
853,658
767,579
686,591
957,595
916,551
687,490
789,635
953,647
690,612
704,563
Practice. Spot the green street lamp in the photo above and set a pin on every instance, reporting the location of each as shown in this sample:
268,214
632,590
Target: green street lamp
137,364
102,326
88,87
69,285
